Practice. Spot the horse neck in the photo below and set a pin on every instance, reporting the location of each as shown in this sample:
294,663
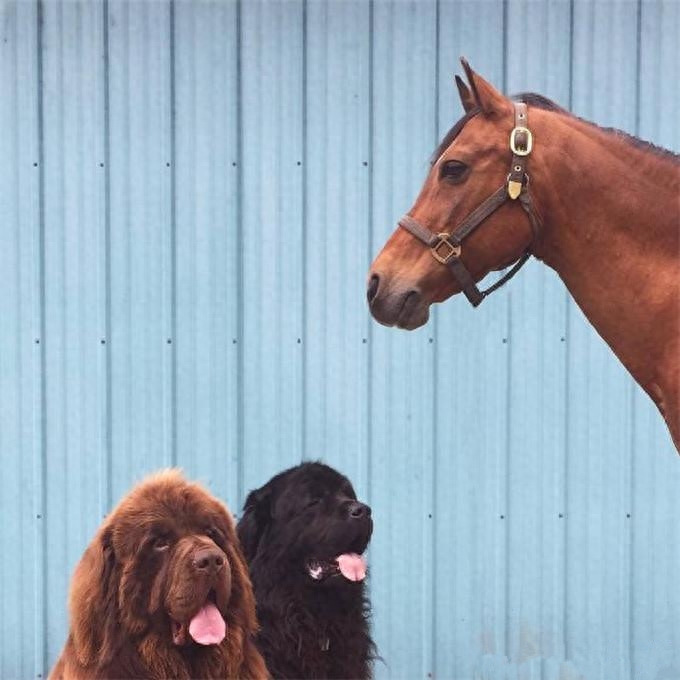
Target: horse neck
611,216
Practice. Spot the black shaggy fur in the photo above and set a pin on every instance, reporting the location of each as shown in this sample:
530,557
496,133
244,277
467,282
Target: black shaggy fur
308,628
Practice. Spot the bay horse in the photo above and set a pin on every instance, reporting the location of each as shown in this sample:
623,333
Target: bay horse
521,177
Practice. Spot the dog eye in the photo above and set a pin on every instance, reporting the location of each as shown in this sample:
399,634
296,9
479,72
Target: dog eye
213,533
311,503
453,171
161,543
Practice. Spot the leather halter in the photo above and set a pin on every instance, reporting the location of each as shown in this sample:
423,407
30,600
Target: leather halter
446,248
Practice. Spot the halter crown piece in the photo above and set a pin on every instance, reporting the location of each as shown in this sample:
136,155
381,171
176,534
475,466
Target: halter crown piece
447,248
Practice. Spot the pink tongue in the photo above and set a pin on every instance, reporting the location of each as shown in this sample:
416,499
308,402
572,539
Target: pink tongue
208,626
352,566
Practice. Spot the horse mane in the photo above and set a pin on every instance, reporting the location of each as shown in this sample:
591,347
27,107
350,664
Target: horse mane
541,102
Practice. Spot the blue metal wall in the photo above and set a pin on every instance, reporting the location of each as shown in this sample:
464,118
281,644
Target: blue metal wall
190,197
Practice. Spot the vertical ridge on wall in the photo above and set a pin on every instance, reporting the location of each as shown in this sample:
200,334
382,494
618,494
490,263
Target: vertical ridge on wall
170,289
21,446
40,653
74,219
141,237
240,337
272,93
105,266
207,252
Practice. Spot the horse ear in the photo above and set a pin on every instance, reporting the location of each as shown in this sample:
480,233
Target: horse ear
466,97
485,95
256,518
93,602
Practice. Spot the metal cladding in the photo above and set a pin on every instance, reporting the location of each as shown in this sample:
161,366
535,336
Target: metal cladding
191,194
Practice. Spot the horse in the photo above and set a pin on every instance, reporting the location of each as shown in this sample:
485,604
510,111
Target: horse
520,177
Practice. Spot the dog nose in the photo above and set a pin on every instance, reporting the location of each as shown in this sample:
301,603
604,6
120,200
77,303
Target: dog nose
358,510
209,560
372,291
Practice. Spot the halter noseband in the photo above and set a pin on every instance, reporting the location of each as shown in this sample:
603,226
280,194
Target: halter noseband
446,248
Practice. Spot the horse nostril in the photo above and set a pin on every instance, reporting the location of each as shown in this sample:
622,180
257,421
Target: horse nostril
372,291
412,297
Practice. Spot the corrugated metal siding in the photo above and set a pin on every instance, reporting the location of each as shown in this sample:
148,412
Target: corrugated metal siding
191,196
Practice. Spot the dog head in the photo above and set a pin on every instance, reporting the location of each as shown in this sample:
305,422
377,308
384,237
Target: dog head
308,523
166,563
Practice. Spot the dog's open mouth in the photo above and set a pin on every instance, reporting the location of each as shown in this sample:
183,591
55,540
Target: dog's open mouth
206,627
350,565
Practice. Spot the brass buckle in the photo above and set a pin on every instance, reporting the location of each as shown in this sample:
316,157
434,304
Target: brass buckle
526,150
450,249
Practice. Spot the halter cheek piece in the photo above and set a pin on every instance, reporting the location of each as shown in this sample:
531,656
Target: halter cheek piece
446,248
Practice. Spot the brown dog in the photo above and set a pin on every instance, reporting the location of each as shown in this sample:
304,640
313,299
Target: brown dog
162,591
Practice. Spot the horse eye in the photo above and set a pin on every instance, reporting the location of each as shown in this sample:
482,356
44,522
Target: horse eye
453,171
311,503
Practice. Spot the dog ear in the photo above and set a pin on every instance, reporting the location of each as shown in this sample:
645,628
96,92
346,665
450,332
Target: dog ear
93,602
256,517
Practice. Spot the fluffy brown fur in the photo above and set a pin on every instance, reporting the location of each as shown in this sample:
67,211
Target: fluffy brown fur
139,584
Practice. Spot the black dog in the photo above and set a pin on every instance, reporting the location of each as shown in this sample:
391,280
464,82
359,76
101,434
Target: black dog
303,534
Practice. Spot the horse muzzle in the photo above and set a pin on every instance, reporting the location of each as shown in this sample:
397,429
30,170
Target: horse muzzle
394,305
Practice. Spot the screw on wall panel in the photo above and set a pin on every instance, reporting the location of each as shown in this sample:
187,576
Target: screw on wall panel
560,515
562,339
365,163
38,516
233,164
299,341
37,341
167,165
35,165
429,515
169,341
628,515
299,162
502,516
505,340
103,342
101,165
430,340
364,340
234,341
